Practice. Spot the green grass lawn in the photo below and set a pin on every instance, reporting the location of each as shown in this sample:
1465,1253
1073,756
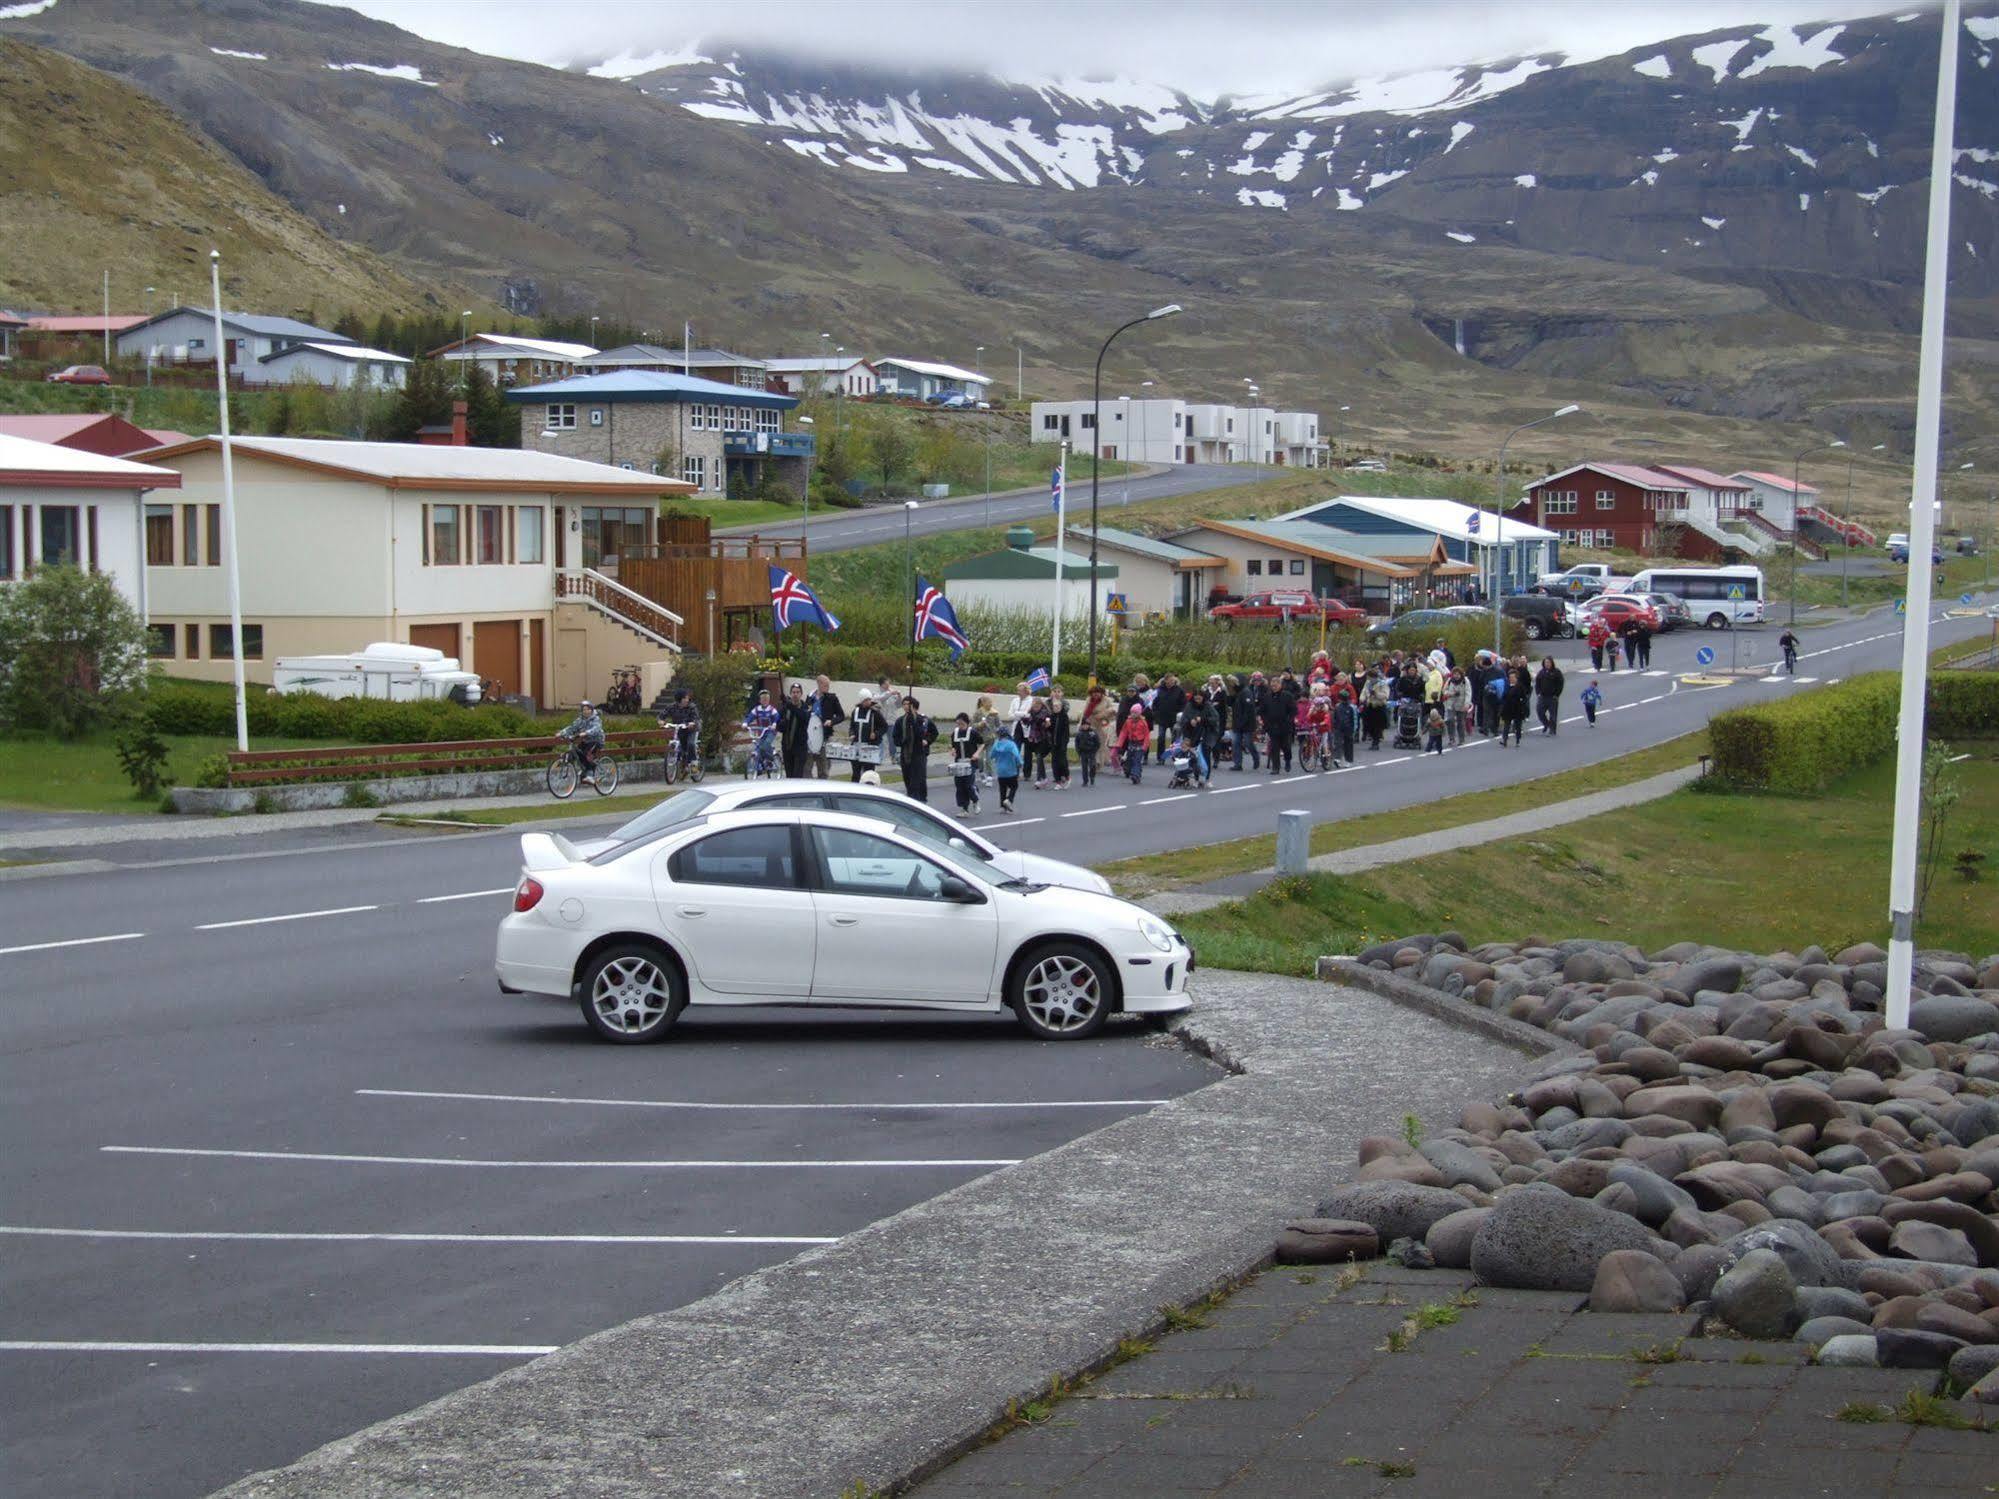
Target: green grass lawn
1151,873
1750,871
84,776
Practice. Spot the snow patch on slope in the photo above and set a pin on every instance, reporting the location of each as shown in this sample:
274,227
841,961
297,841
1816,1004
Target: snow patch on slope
402,72
1789,50
632,64
1716,56
1525,179
246,56
1458,132
1654,67
1461,237
1259,197
23,11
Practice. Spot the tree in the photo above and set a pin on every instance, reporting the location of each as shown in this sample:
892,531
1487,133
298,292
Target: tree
888,447
424,401
491,420
71,650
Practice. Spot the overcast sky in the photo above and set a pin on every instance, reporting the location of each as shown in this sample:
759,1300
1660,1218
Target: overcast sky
1204,47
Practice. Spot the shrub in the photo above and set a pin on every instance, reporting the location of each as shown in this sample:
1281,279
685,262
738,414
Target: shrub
142,754
720,686
213,772
1963,705
1805,742
186,708
71,648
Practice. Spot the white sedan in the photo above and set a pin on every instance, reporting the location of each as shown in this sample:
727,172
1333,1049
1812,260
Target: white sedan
809,907
913,817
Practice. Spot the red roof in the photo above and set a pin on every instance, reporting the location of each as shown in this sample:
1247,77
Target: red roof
85,432
93,323
1706,478
1775,481
1630,473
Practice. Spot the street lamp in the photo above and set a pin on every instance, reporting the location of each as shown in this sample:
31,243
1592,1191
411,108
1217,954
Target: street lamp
1791,617
593,330
1846,521
464,338
805,500
1499,509
711,621
979,360
840,393
1171,309
1340,429
909,584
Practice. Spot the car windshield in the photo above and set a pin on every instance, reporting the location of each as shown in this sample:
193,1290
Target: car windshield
681,807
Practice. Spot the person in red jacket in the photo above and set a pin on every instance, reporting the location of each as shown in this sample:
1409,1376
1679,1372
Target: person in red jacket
1599,637
1132,742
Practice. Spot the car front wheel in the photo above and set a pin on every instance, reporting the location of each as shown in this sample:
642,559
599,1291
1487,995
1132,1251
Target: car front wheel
1535,629
1061,992
1717,621
632,994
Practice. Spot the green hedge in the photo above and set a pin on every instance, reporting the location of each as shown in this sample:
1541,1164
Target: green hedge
179,708
1805,742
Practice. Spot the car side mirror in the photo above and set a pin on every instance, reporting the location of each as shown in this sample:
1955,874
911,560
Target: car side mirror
955,889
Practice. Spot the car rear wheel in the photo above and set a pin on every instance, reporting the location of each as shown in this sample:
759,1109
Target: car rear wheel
1061,992
1717,621
1535,630
632,994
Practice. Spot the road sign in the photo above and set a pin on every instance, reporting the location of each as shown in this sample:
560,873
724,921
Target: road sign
1705,655
1735,593
1964,598
1901,606
1114,603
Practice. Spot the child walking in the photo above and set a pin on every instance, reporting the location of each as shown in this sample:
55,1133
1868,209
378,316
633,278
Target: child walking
1005,760
1088,744
1433,726
1592,700
966,743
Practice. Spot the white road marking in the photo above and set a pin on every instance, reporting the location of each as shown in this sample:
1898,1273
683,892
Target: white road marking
1178,796
1396,761
1287,780
433,900
1659,698
418,1160
730,1108
232,1236
1246,786
72,942
1093,811
220,926
444,1350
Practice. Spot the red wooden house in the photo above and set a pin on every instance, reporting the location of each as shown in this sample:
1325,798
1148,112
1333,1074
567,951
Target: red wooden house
1605,505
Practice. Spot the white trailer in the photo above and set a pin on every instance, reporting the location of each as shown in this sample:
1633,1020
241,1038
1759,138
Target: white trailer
388,670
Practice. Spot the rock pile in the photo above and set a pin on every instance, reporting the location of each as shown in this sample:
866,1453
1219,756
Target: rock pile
1740,1135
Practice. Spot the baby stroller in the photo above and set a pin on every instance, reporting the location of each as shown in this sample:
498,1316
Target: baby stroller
1182,761
1408,724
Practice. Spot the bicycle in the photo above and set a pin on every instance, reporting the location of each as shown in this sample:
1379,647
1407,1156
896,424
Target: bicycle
566,771
679,761
624,698
763,756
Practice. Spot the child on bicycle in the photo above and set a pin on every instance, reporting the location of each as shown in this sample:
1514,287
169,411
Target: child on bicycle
762,724
587,734
682,723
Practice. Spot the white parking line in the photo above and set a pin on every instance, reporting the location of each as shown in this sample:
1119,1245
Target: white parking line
246,1237
419,1160
1178,796
433,900
1231,790
219,926
731,1108
1396,761
442,1350
72,942
1093,811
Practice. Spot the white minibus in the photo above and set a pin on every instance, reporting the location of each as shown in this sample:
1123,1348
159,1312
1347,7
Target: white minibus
1717,597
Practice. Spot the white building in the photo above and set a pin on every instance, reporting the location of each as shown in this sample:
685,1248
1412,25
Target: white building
337,366
1775,497
718,365
1023,575
61,505
839,375
1164,430
186,335
1402,528
512,360
922,379
475,552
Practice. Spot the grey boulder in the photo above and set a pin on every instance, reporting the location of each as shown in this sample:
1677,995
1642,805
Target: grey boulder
1326,1241
1822,1330
1393,1209
1540,1240
1809,1258
1849,1351
1953,1017
1633,1280
1450,1239
1757,1296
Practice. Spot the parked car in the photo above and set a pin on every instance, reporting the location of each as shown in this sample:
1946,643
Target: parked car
1368,466
951,400
1672,609
1541,616
914,818
1274,604
1615,609
1581,581
1901,553
1897,540
1419,619
81,374
798,907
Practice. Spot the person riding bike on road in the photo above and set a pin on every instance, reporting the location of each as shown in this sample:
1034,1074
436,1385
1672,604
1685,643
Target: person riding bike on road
1788,643
683,721
760,721
587,734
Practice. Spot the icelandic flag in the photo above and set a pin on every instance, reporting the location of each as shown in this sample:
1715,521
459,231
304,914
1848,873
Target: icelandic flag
1055,489
1471,523
793,603
1037,680
936,619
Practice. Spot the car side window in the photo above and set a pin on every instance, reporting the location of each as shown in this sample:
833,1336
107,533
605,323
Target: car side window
798,801
862,864
902,814
758,856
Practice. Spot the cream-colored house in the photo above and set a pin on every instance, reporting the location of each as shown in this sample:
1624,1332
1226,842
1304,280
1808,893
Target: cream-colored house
476,552
63,506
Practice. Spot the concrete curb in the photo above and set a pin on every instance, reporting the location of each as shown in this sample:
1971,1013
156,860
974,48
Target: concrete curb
877,1359
1446,1007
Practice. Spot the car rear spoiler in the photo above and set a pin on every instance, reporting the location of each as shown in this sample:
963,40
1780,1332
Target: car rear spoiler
548,851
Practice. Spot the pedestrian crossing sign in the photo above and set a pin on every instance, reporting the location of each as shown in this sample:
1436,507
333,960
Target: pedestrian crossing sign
1735,593
1901,606
1115,603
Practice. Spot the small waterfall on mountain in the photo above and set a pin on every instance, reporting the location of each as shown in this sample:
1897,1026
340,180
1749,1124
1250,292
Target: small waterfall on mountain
1458,335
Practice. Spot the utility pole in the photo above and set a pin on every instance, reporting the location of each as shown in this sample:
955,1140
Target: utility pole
1797,529
107,317
1171,309
1499,509
235,575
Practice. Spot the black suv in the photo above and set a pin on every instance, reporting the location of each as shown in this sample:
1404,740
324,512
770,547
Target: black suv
1543,617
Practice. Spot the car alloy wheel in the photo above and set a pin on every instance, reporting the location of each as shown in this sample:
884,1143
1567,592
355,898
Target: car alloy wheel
1063,994
631,995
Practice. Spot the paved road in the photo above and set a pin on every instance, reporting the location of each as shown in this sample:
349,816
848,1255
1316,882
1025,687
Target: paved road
213,1131
840,531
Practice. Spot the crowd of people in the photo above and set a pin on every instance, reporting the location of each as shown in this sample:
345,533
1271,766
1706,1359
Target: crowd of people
1323,719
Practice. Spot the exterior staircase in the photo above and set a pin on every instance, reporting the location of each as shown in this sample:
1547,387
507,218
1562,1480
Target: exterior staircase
652,623
1749,543
1820,521
1752,523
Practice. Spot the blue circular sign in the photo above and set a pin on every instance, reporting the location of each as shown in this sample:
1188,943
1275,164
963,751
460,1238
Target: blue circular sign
1705,655
1964,598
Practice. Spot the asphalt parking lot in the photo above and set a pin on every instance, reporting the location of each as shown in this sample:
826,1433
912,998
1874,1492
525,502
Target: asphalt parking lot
268,1183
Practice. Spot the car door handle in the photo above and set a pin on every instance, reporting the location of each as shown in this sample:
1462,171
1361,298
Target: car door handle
693,910
844,920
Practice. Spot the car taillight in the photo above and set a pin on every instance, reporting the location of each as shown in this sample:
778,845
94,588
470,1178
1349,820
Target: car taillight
528,894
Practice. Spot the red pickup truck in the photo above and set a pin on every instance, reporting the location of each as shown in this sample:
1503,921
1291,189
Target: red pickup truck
1274,605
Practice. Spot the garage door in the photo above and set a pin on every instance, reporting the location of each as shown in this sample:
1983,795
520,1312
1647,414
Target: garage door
496,653
437,637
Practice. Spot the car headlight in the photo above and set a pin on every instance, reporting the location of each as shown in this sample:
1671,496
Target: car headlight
1157,933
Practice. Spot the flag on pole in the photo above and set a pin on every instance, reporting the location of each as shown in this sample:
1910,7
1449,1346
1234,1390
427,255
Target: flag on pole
1471,523
793,603
1037,680
1055,489
936,619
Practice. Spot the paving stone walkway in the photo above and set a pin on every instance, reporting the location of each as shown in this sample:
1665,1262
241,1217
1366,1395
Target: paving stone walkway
1292,1389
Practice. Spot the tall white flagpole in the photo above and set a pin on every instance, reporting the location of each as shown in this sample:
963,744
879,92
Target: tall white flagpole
1922,532
1061,517
228,500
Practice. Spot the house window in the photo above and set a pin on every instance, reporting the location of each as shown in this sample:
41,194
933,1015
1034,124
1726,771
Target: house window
1752,501
529,540
190,534
1559,502
754,379
62,535
767,421
6,541
160,641
219,644
1605,540
444,535
1606,499
596,416
160,537
213,556
1297,567
1089,420
1276,567
1050,422
608,532
191,635
562,416
1255,567
488,532
694,469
